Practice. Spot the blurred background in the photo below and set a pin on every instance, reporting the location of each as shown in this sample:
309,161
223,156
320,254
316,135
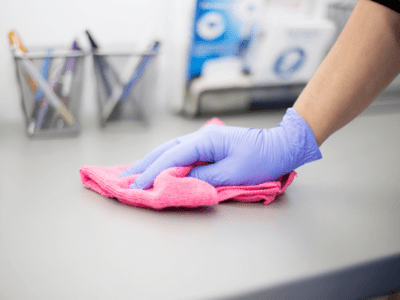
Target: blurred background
45,23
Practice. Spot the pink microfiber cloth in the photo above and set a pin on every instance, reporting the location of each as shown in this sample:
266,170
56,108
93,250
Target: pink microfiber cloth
172,189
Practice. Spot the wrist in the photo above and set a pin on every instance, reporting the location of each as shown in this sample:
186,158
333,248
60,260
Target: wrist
302,141
308,116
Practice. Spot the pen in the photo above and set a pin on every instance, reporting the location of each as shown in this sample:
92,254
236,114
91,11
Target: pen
66,84
47,111
118,96
45,71
139,70
35,116
67,78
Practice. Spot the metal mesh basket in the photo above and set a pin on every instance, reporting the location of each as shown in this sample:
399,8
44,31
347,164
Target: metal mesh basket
51,87
125,86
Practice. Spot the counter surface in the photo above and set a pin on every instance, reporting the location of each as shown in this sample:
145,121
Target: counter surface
334,234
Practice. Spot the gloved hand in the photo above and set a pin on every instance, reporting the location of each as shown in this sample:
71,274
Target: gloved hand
238,156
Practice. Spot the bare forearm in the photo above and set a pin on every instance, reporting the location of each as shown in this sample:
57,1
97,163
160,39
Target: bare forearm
363,61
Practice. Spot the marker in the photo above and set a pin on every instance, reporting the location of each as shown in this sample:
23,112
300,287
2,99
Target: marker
15,40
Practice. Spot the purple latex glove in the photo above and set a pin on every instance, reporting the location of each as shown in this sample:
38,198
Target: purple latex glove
239,156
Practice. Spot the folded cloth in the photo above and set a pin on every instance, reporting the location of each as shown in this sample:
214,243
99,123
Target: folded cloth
172,189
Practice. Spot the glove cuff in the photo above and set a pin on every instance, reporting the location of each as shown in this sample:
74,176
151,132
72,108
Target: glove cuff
301,138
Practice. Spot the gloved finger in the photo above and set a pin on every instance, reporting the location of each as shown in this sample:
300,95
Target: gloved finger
183,154
141,165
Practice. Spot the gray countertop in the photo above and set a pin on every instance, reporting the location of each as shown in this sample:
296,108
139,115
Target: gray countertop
334,234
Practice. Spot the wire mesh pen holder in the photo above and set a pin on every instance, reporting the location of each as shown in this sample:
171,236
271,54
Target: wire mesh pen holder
51,87
125,86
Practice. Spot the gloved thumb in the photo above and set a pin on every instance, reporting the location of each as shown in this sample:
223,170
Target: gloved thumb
216,174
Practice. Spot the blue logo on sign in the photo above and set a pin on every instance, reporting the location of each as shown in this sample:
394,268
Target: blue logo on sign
289,62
